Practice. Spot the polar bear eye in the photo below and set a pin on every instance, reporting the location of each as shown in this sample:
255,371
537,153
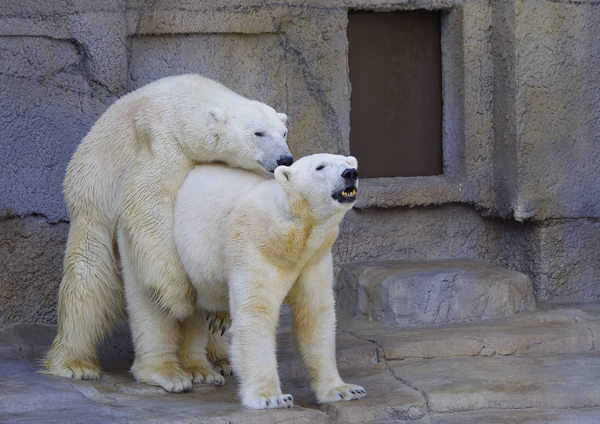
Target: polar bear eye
259,134
320,167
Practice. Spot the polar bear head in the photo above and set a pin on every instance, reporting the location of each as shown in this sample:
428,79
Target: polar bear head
251,135
326,183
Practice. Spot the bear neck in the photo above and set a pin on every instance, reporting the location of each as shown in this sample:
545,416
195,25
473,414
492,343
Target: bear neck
307,230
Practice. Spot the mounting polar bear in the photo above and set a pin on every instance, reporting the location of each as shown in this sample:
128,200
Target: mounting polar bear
249,244
127,170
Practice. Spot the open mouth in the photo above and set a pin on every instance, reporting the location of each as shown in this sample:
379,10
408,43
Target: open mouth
346,195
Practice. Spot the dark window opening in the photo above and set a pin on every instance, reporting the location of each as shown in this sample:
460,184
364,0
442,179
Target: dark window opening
395,64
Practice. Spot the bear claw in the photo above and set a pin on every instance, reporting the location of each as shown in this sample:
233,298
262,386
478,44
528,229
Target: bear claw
345,393
268,402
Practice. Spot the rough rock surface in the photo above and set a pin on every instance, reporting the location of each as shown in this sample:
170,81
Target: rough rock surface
31,257
520,123
468,384
547,330
538,367
419,293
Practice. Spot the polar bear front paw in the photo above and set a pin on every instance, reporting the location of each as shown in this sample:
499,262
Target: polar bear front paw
75,370
171,378
206,376
345,392
268,402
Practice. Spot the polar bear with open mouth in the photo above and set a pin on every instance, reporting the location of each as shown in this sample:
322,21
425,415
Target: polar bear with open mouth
248,244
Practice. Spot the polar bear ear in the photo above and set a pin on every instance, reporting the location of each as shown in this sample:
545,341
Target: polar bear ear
352,161
283,175
217,114
283,117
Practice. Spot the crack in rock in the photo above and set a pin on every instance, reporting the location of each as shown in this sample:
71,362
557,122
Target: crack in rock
407,383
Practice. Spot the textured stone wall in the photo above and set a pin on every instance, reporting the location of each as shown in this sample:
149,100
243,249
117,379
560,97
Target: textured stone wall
547,113
32,256
558,109
521,124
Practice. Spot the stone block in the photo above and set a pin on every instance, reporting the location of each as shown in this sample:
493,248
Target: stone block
388,400
509,382
32,254
422,293
567,264
556,99
549,329
521,416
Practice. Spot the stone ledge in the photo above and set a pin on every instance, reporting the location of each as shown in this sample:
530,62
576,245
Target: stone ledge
497,389
423,293
550,329
521,416
412,191
514,382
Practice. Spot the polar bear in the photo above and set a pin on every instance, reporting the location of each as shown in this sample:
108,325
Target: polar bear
128,170
249,244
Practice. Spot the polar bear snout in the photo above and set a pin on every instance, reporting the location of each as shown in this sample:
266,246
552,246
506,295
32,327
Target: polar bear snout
285,160
272,159
348,193
350,174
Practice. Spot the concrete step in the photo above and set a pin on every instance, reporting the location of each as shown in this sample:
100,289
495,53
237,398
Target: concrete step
431,292
515,382
532,368
520,416
533,389
550,329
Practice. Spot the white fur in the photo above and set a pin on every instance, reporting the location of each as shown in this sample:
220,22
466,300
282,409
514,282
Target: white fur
249,244
127,170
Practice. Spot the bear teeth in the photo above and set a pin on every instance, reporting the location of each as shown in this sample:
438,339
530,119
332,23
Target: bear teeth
346,193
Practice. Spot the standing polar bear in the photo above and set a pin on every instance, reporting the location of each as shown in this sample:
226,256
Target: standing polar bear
249,244
127,170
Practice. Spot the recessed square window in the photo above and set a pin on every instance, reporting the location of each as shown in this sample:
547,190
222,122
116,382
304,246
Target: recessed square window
395,64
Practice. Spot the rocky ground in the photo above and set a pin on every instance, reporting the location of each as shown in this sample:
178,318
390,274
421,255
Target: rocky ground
541,366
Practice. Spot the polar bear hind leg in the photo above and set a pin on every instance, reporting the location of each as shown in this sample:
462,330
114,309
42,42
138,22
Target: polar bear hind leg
91,298
156,338
193,350
217,350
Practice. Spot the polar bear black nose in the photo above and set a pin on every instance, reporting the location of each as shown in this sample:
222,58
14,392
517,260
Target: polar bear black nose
285,160
350,174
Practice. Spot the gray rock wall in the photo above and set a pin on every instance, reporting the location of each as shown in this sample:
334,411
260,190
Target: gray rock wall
32,256
547,109
521,130
557,109
48,105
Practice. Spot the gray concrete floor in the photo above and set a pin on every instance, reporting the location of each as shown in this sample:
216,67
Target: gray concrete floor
536,367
